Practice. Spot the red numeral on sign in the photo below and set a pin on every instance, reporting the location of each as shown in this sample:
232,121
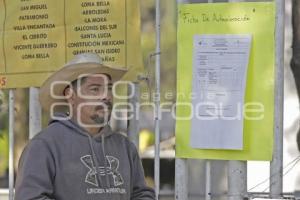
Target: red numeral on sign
3,81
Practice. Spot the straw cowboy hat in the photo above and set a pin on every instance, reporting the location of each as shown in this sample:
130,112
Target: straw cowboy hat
87,63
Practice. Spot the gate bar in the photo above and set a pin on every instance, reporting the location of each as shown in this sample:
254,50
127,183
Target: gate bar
35,112
157,100
276,167
133,126
11,143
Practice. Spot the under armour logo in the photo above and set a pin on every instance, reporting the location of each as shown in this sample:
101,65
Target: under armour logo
112,170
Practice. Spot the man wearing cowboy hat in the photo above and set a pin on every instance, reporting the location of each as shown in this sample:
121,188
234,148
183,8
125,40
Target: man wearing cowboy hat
78,156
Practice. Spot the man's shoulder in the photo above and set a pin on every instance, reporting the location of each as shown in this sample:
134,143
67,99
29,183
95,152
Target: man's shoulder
50,132
123,138
120,135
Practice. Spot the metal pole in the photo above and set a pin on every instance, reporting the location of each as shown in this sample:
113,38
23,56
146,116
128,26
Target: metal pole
157,99
276,167
35,112
207,180
133,127
11,143
237,172
181,179
181,168
237,180
208,165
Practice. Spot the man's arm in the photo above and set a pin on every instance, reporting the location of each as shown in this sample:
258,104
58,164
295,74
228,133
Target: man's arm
140,190
36,172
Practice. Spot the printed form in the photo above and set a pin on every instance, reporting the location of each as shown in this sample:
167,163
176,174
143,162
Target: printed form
220,65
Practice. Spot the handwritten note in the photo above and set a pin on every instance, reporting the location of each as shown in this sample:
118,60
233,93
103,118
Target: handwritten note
190,18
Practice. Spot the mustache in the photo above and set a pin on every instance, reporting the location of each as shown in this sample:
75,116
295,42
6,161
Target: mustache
105,105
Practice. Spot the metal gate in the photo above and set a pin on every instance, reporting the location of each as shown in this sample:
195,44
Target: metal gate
237,170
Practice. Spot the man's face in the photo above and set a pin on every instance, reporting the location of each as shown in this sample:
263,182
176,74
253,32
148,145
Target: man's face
91,100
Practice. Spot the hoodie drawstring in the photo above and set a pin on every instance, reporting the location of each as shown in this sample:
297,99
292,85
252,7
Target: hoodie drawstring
105,161
95,161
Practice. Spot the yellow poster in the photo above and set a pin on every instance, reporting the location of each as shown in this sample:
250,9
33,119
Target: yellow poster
2,18
257,20
40,36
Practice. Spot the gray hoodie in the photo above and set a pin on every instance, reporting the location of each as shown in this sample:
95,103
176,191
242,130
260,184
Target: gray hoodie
64,162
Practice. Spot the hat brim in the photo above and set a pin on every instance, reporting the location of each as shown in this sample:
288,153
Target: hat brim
51,91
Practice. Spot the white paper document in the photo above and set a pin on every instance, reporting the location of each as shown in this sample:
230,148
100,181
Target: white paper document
220,65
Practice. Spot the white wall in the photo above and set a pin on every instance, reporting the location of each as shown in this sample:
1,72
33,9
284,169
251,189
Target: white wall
3,194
